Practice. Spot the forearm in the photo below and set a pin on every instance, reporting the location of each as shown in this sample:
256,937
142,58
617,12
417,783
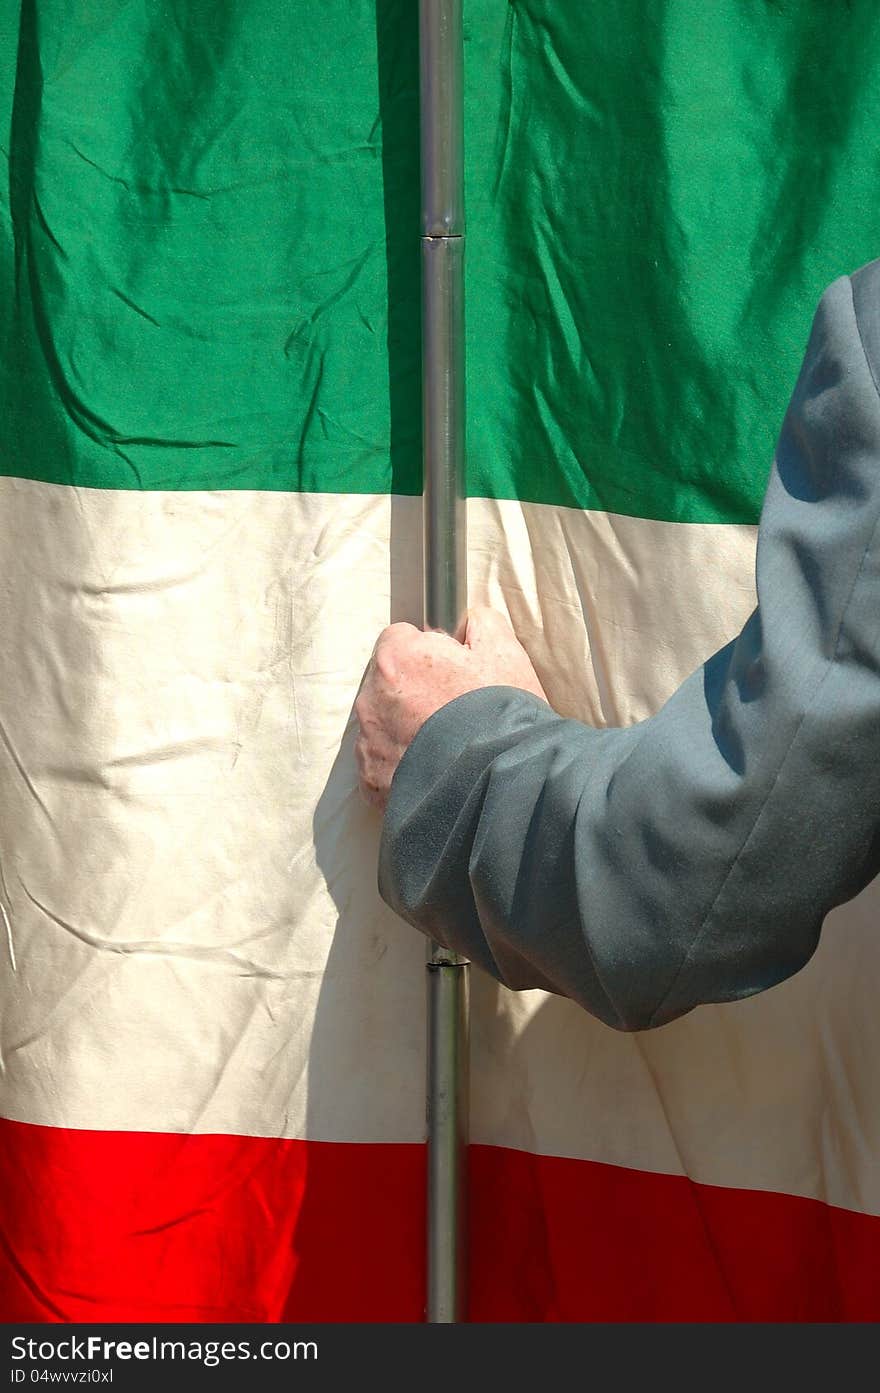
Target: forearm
691,858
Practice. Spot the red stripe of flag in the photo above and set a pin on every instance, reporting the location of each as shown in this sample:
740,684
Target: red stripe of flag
127,1226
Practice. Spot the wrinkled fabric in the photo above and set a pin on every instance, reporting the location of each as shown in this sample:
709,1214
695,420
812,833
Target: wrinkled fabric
210,273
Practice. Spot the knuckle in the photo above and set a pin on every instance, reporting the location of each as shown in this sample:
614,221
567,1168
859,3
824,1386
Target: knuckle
393,637
387,665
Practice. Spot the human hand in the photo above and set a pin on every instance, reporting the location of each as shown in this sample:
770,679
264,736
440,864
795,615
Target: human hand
413,673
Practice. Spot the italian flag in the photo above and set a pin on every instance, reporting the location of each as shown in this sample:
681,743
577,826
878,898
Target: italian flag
212,1048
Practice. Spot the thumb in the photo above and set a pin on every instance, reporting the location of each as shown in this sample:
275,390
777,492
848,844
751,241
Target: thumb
485,625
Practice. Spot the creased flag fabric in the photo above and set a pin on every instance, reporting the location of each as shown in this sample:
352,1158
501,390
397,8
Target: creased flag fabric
211,1029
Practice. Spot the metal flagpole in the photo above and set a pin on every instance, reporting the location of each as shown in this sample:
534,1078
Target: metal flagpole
443,413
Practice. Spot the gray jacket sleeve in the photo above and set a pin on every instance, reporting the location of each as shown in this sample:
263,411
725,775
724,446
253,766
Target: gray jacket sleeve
693,857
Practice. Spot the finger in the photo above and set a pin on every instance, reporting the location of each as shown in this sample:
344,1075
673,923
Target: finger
360,755
485,625
363,710
396,647
390,641
395,634
368,670
371,789
371,795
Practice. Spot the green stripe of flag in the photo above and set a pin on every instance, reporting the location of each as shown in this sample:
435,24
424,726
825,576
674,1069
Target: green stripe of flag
210,249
